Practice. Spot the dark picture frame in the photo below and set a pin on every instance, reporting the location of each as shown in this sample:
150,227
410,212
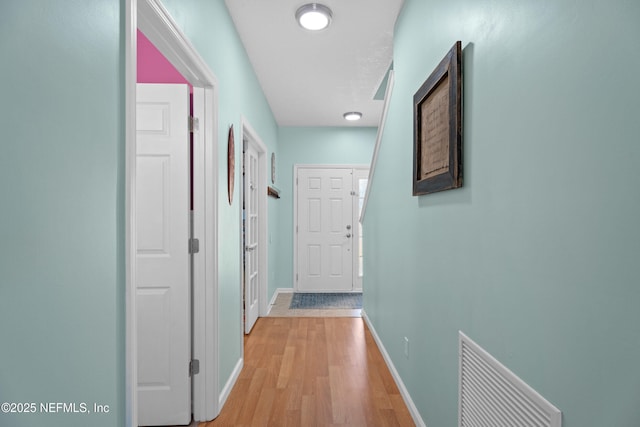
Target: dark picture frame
437,127
231,164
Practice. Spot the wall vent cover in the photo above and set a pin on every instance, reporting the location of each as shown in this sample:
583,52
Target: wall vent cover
490,395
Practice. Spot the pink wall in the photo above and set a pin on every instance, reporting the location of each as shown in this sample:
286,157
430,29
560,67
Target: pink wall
153,67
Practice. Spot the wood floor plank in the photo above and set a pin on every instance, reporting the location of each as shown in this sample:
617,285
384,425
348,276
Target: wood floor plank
322,397
286,367
313,372
264,407
308,412
402,414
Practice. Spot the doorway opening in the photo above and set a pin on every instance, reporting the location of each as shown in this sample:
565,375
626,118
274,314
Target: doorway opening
254,226
154,21
328,201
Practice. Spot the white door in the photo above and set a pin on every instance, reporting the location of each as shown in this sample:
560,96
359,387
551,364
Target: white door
324,230
251,248
163,312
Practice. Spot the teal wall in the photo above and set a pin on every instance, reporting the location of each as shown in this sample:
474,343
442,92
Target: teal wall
309,145
62,262
209,27
536,257
62,188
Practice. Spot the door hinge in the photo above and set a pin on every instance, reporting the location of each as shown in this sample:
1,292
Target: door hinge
296,277
194,124
194,367
194,246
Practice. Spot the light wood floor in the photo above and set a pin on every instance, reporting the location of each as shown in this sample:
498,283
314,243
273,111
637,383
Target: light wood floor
307,372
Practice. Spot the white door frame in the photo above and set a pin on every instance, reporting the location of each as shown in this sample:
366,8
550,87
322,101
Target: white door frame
154,20
296,167
252,137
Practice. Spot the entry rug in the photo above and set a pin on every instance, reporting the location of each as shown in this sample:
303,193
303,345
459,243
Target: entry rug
326,300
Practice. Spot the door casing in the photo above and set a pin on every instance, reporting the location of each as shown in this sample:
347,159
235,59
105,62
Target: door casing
152,18
295,214
251,137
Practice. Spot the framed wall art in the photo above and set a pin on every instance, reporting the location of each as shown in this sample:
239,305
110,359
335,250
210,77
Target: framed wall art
437,127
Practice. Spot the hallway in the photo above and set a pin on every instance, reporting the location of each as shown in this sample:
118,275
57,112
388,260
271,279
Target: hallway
313,372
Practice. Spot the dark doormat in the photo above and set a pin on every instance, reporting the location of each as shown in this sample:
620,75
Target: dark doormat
326,300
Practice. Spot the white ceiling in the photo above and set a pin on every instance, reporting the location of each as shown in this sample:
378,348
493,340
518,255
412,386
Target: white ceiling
312,78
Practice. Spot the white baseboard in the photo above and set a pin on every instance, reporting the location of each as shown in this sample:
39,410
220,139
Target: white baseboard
275,296
224,394
394,373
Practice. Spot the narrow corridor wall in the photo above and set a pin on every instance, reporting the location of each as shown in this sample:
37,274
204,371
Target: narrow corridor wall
536,257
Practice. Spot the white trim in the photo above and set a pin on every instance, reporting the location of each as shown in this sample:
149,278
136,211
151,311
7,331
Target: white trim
131,351
296,168
417,419
263,265
157,24
226,390
205,295
374,159
154,20
210,261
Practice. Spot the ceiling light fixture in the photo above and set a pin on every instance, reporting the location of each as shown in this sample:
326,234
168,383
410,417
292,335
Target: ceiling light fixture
314,16
352,116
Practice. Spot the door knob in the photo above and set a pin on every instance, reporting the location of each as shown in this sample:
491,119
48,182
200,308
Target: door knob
348,234
348,227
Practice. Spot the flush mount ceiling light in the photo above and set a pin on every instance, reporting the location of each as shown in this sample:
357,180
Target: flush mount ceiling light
352,116
313,16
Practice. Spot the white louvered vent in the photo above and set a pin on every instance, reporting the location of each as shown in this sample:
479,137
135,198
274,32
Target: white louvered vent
493,396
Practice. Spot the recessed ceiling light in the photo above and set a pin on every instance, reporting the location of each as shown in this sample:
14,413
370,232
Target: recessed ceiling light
313,16
352,116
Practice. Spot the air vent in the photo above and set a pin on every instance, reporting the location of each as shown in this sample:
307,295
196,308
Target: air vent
493,396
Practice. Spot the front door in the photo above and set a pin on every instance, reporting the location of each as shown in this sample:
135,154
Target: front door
163,311
325,229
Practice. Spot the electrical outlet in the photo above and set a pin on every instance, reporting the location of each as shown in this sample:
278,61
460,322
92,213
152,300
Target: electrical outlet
406,347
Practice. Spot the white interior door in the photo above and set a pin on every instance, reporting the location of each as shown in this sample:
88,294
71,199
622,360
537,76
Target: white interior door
252,248
324,230
163,311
